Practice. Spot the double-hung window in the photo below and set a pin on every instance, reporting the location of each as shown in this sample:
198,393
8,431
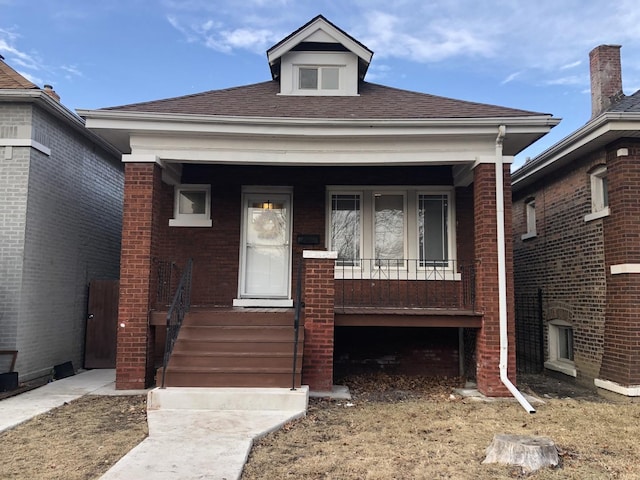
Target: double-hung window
530,218
389,228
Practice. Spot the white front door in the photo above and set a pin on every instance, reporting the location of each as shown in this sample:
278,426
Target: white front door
266,249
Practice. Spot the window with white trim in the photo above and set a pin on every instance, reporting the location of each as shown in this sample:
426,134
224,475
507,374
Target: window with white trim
560,342
192,206
530,216
399,229
318,78
599,193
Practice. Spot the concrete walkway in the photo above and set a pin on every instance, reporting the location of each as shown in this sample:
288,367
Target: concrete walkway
193,433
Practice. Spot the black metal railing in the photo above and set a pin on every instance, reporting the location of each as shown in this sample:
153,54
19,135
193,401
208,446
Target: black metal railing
529,332
296,324
179,307
405,283
168,276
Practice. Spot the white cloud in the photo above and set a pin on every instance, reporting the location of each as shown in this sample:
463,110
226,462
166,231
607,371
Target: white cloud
71,70
217,36
571,65
511,78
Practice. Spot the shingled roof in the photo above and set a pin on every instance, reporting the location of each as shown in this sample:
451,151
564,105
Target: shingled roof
373,102
11,79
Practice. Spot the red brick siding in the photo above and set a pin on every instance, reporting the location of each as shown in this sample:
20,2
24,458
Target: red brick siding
317,367
621,359
565,259
134,365
488,339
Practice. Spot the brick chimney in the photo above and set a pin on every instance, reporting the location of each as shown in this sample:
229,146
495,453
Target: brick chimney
48,89
606,77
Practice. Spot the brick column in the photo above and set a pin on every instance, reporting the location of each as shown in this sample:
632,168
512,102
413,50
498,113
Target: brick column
487,300
319,297
621,358
134,361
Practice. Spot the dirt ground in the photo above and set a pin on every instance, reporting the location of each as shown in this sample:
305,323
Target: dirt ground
79,440
394,428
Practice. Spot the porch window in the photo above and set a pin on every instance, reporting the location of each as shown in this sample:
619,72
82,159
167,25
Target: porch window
192,206
433,241
392,230
345,227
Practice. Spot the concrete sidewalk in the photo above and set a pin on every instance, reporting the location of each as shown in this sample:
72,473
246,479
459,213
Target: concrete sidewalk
206,433
193,433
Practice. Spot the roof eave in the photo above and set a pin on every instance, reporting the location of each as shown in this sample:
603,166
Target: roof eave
37,96
602,130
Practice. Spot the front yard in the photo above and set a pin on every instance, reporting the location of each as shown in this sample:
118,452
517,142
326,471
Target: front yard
414,429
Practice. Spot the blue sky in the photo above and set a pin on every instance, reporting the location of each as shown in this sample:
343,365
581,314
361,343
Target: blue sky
531,55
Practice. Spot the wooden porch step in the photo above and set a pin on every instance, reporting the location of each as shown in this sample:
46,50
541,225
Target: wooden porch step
234,359
238,333
235,348
225,377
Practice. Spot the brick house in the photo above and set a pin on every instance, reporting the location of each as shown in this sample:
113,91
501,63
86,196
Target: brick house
61,191
387,198
576,211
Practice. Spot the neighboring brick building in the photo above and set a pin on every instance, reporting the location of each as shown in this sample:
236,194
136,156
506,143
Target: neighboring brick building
576,231
387,197
60,224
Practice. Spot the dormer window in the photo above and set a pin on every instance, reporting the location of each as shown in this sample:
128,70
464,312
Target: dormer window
318,78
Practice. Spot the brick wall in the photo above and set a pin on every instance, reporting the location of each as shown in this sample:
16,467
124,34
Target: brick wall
621,358
140,237
488,338
14,179
72,225
317,366
565,259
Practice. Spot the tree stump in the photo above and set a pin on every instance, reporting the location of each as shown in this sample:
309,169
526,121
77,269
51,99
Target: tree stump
529,452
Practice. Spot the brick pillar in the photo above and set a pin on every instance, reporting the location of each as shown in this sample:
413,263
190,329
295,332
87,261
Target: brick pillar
319,297
621,358
134,361
487,299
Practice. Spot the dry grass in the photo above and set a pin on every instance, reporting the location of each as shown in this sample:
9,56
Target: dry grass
79,440
392,432
396,428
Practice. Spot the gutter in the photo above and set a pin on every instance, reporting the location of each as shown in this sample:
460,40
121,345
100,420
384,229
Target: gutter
502,275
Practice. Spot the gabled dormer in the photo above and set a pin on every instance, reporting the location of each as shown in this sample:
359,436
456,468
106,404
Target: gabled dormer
319,59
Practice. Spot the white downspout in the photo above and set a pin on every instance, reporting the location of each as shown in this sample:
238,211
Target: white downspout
502,275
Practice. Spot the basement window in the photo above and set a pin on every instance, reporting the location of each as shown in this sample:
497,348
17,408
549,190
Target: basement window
192,206
560,340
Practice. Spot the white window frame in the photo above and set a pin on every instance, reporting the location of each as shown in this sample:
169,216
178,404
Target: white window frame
530,217
319,90
411,233
599,194
555,362
191,219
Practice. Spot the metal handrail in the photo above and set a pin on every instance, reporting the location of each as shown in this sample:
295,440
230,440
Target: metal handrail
179,307
296,324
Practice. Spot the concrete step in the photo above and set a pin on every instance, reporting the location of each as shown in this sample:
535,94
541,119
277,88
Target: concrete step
251,399
246,317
